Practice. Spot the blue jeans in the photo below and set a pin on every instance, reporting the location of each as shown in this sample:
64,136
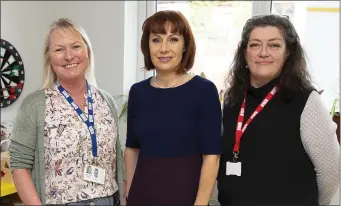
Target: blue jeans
110,200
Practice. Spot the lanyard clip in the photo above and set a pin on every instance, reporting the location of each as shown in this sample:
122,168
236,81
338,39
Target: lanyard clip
235,155
95,160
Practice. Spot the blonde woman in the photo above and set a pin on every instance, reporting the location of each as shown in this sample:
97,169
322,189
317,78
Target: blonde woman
66,129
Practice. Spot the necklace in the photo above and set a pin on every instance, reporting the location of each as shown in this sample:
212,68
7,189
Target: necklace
84,104
157,86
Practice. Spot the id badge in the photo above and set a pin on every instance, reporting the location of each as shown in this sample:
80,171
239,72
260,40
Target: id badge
234,168
94,174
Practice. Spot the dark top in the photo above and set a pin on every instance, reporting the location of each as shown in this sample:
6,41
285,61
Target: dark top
173,128
276,169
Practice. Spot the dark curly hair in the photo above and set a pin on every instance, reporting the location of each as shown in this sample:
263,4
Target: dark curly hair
294,75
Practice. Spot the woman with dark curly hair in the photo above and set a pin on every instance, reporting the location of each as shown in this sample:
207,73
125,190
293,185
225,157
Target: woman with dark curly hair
279,141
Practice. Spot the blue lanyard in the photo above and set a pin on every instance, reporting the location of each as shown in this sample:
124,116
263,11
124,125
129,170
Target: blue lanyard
89,121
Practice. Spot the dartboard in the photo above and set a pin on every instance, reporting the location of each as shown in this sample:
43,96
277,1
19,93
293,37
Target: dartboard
12,74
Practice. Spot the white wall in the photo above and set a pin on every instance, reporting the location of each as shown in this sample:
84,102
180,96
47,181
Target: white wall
24,24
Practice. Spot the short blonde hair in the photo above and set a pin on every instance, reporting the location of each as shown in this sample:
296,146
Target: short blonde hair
67,26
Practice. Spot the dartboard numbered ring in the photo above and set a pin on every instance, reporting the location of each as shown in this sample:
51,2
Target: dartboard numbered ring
12,74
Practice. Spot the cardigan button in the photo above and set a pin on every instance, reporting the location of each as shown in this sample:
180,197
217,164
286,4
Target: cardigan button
92,203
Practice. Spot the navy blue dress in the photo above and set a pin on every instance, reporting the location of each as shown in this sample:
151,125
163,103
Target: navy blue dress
173,128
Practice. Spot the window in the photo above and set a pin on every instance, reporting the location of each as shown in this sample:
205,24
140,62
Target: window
217,26
285,8
318,26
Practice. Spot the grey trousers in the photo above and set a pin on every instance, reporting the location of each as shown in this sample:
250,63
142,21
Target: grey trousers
110,200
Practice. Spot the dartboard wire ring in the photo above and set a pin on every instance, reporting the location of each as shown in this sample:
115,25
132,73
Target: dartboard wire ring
11,61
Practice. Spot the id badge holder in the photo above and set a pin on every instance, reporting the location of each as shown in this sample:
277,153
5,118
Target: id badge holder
94,173
234,168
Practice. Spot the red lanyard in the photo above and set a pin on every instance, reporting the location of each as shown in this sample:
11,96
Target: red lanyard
240,128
